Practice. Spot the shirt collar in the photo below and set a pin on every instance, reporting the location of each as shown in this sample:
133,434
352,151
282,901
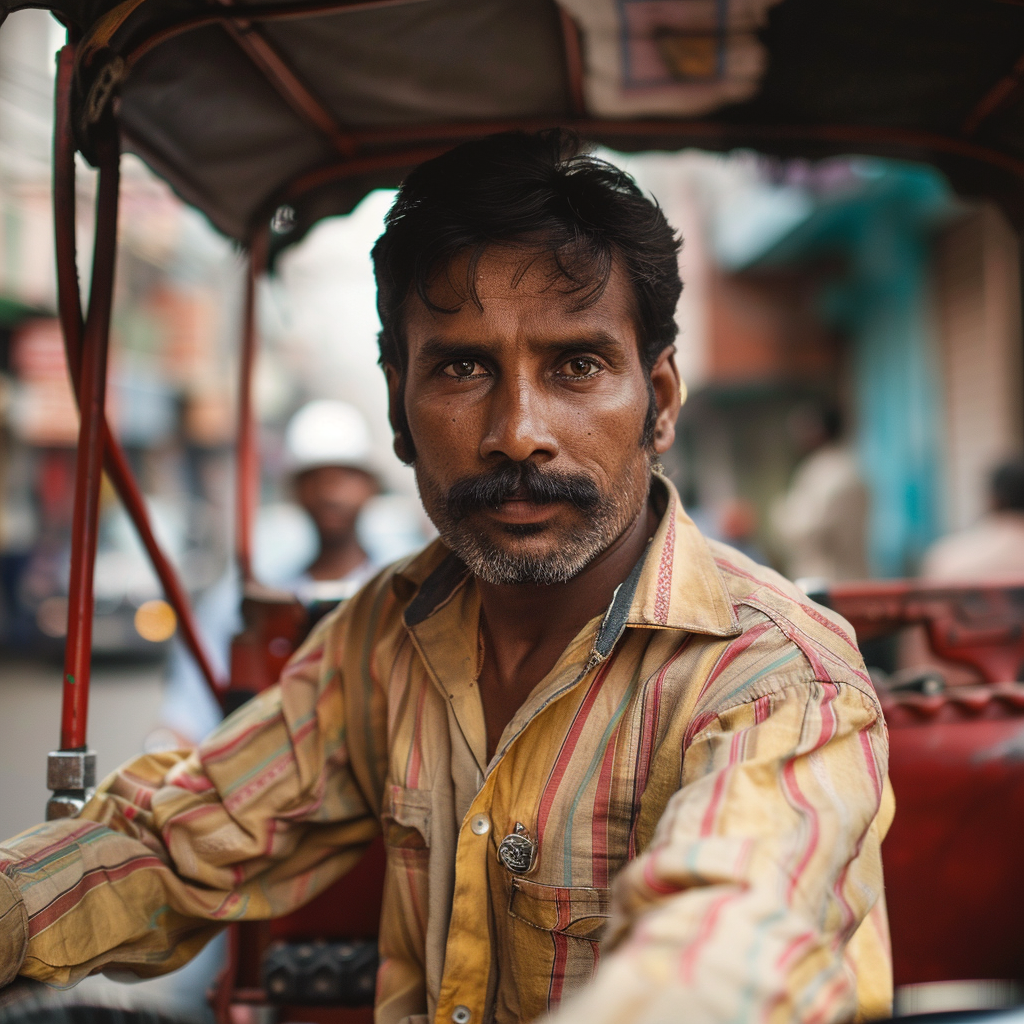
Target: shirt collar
675,584
679,585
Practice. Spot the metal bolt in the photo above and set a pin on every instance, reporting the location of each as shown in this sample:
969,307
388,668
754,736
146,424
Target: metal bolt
283,221
71,769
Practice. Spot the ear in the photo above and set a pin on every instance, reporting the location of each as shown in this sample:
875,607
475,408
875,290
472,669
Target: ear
668,399
396,414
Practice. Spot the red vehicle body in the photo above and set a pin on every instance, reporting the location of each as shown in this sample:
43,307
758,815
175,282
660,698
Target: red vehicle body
235,106
951,859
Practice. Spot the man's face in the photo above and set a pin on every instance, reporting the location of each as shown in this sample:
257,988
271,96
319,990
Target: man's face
333,496
527,416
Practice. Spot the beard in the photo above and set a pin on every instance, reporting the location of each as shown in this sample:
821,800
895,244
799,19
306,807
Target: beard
502,554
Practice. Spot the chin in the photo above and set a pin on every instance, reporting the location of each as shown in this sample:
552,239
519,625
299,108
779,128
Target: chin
504,560
524,529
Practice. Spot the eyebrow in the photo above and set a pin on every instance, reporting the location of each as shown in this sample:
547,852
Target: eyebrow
597,341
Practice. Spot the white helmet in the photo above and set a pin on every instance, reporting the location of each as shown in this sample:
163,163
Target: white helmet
328,433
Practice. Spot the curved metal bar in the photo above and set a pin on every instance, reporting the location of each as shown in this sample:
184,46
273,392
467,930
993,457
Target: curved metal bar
411,145
120,473
693,132
69,306
247,455
89,468
573,50
69,300
107,26
272,64
996,98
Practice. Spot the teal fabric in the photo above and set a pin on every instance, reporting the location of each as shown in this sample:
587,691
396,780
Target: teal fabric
879,224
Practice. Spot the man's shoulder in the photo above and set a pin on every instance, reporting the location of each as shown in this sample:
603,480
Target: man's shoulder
786,638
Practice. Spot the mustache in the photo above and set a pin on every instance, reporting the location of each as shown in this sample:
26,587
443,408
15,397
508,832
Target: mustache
522,480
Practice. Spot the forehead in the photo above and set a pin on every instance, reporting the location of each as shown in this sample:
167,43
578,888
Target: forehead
518,288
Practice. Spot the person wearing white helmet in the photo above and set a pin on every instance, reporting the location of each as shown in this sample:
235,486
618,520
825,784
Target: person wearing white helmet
328,454
329,463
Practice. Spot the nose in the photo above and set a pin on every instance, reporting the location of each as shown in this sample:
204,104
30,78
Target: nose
519,424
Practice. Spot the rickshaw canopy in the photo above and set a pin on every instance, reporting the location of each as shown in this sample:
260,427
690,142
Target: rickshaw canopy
303,106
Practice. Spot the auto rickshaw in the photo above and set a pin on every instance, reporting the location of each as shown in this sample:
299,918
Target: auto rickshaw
268,115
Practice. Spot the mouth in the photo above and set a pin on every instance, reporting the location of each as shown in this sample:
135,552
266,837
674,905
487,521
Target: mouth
520,509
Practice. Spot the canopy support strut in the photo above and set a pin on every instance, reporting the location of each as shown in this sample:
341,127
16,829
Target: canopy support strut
247,479
72,769
287,83
70,308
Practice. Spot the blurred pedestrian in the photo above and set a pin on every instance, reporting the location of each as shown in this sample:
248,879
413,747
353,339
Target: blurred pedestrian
990,551
821,521
328,453
992,548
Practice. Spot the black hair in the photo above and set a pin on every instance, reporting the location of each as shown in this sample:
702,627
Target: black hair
540,190
1007,485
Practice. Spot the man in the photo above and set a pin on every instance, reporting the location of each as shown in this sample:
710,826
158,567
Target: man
608,758
994,547
328,456
992,550
822,520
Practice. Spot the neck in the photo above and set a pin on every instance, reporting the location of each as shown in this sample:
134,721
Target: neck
525,629
525,616
337,558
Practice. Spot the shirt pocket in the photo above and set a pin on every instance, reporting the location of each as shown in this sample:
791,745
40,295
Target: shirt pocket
405,821
552,947
578,911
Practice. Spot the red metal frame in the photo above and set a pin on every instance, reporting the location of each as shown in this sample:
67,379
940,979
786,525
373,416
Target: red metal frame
573,63
254,12
408,145
997,97
280,74
248,469
92,388
978,625
69,306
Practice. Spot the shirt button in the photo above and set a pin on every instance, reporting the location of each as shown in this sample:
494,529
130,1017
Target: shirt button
461,1014
480,826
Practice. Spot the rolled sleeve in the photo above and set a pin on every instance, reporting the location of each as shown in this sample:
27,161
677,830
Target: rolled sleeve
13,930
257,821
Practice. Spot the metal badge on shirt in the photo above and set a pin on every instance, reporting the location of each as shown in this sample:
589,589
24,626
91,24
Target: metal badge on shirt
517,850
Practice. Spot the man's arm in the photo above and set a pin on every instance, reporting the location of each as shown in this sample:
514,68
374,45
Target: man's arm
264,815
764,865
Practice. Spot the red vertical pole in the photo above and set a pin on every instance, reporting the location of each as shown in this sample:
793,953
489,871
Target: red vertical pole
247,482
88,473
69,303
70,308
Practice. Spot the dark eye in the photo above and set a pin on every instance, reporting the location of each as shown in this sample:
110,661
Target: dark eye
580,366
463,368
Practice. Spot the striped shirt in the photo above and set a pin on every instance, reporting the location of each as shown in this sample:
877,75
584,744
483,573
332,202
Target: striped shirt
697,789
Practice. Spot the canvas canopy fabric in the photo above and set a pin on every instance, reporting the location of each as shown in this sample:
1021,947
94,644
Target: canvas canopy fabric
302,106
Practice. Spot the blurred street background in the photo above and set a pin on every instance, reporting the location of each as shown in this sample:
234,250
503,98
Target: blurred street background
850,338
